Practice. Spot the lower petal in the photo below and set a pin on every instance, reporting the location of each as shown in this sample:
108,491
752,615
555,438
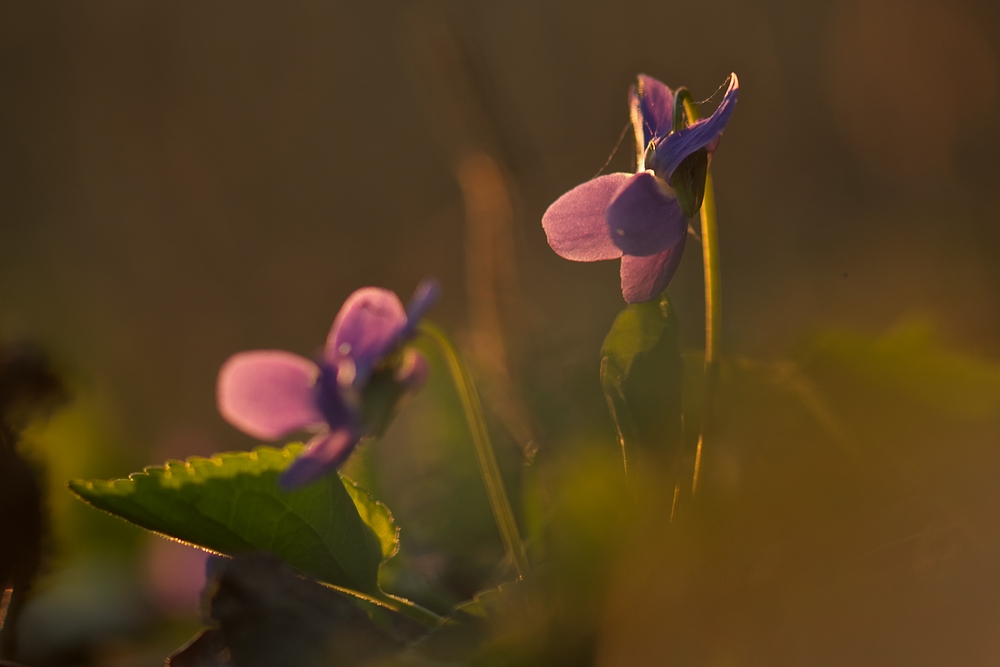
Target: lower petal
576,225
645,278
268,393
643,220
324,453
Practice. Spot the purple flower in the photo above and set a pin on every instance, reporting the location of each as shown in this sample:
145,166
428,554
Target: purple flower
349,393
638,216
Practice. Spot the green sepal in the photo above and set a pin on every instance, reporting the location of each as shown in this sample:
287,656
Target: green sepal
688,181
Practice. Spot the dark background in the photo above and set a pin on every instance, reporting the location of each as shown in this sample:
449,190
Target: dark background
183,180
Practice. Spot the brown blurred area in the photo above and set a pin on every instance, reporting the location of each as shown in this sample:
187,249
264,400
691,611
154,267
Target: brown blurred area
183,180
180,181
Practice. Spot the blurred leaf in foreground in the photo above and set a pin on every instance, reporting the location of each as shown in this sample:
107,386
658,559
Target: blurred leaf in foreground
848,511
28,386
911,361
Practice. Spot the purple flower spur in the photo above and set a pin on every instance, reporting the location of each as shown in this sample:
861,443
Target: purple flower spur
642,217
349,393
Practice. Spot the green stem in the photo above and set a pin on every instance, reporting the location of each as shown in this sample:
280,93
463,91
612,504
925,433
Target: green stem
407,608
713,297
410,609
488,467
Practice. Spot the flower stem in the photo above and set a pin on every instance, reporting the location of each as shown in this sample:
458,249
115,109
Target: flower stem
407,608
488,467
410,609
713,298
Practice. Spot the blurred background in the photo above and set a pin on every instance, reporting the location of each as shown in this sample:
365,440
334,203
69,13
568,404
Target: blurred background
181,181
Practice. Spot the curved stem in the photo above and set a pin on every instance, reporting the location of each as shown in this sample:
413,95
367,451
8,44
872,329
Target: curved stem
488,467
713,298
713,292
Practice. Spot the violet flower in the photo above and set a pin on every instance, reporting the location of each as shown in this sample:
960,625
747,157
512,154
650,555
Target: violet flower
349,393
638,217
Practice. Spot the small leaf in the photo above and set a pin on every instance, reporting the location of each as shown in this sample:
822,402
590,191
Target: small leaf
231,504
377,516
641,373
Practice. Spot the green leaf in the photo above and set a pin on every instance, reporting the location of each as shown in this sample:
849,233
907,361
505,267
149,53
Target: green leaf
231,503
641,373
377,516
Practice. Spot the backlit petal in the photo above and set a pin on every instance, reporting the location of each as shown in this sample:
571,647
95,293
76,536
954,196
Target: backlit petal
575,224
651,104
645,278
268,393
368,325
672,150
643,220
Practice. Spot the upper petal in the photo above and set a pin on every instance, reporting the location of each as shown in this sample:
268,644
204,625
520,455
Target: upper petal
642,219
368,325
425,296
651,104
575,224
673,148
645,278
268,393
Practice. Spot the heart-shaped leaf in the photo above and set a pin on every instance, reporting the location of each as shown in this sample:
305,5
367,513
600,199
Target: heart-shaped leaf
231,504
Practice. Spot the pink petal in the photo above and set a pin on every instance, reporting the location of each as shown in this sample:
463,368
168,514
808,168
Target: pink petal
652,110
643,220
268,393
368,325
575,224
645,278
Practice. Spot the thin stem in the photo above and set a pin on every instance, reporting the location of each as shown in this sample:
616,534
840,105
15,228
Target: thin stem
713,299
407,608
410,609
488,467
713,291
